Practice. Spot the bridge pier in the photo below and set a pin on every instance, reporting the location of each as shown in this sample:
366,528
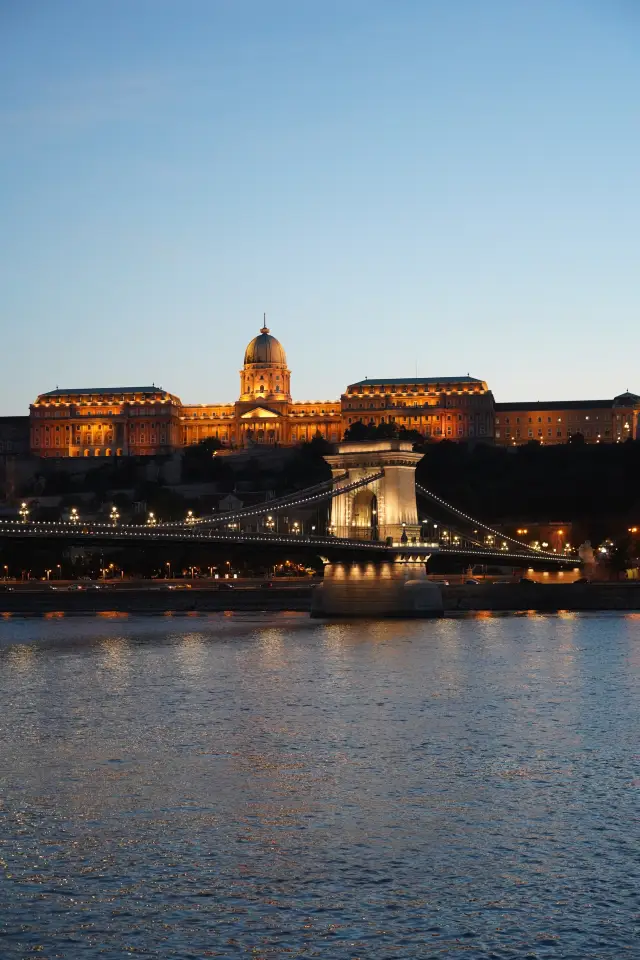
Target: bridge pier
396,587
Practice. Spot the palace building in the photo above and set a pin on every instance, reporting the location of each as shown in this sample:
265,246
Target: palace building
264,412
105,422
556,421
148,421
455,408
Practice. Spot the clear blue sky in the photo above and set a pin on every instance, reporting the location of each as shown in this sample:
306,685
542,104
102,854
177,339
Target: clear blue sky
450,185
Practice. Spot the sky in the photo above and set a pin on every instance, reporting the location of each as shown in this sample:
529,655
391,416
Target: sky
434,186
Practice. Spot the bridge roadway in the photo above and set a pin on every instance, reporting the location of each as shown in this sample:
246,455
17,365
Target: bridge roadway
323,546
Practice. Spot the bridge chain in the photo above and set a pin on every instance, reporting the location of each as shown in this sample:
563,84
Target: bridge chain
478,523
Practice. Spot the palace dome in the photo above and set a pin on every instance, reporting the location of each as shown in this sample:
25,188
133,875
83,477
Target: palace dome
265,349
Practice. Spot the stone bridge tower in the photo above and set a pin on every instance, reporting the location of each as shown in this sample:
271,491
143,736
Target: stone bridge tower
384,508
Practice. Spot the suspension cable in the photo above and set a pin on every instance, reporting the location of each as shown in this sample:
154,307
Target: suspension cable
478,523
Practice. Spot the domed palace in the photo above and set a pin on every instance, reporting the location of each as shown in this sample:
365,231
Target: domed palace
146,421
264,412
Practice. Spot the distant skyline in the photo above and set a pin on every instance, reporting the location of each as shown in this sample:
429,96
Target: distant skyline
416,185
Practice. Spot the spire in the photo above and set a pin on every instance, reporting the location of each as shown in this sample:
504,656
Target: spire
264,328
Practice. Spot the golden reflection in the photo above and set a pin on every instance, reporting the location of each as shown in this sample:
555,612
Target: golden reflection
111,614
20,657
271,642
190,653
115,653
6,615
53,615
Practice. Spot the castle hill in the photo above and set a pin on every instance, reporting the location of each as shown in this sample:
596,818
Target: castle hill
483,490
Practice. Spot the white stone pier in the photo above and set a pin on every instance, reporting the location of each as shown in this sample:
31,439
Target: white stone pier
385,510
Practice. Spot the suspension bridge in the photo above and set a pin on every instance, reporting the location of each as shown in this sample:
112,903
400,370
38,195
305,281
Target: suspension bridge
375,549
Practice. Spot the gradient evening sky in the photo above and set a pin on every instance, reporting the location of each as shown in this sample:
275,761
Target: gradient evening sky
447,185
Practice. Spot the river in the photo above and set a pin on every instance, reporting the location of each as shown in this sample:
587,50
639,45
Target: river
270,786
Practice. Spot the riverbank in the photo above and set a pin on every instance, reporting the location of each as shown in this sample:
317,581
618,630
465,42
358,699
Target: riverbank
498,597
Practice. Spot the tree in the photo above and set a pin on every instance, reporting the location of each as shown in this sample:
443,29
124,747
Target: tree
359,431
197,460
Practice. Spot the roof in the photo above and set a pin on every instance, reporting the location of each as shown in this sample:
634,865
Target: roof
265,349
555,405
422,380
95,390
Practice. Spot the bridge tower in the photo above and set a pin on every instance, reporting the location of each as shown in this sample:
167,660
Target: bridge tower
393,585
386,507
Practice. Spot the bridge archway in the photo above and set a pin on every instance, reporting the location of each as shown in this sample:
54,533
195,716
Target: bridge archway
364,515
392,496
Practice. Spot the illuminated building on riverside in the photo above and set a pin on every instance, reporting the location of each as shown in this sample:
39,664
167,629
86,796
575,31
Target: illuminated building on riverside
149,421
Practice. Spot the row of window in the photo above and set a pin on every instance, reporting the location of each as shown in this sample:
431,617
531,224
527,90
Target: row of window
571,418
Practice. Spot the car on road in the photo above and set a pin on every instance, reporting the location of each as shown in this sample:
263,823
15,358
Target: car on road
178,586
267,585
471,580
526,580
225,586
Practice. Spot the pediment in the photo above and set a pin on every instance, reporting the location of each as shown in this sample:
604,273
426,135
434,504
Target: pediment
260,413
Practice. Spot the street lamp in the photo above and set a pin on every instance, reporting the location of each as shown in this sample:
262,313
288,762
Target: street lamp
190,517
115,516
73,516
24,511
151,518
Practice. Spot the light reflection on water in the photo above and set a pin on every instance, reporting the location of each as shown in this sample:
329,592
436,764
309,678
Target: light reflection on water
273,786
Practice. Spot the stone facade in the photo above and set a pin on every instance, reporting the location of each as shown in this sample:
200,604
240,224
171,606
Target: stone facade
104,422
453,408
556,421
147,421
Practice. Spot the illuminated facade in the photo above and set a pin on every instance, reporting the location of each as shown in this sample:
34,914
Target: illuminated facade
264,412
453,408
555,421
104,422
148,421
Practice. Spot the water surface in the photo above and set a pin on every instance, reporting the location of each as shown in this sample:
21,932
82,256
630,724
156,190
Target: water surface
271,786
